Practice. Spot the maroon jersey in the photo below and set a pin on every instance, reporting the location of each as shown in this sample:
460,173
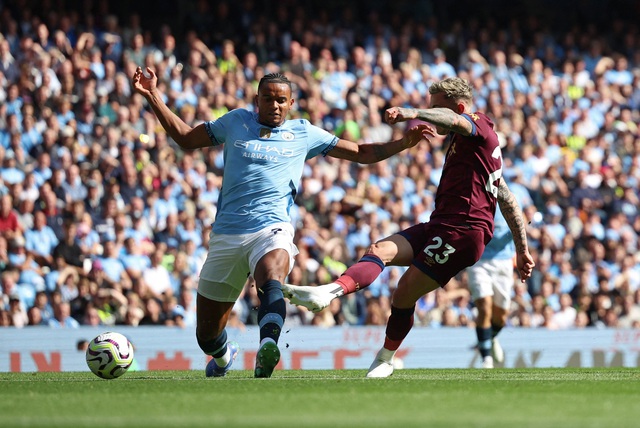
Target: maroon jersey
467,193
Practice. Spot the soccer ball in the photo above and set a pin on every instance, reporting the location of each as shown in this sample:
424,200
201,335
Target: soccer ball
109,355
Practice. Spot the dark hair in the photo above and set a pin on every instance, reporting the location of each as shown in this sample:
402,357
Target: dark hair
274,78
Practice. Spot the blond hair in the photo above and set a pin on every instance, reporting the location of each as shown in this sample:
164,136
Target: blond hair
454,88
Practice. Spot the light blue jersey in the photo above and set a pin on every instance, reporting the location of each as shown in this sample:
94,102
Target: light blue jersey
501,246
262,168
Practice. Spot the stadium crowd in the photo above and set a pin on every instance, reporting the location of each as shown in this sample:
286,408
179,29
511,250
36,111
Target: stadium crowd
104,220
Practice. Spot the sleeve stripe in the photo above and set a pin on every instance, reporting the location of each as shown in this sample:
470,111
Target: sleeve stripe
474,130
330,146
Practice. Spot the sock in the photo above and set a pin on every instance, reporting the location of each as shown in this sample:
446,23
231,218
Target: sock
398,326
495,329
223,360
484,341
217,348
272,311
386,354
362,274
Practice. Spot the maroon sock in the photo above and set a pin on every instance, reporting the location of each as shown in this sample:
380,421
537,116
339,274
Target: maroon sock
398,326
362,274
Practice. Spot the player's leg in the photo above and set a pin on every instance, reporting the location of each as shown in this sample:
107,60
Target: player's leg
394,250
481,288
222,278
503,288
498,321
483,330
271,260
212,318
270,272
412,285
444,252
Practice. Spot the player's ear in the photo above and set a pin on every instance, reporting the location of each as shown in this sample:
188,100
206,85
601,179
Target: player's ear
460,108
255,99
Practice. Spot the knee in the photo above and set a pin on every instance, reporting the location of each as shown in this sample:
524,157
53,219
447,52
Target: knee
273,266
484,306
402,298
499,317
377,249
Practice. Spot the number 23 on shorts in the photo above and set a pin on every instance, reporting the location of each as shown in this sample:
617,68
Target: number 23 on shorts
441,255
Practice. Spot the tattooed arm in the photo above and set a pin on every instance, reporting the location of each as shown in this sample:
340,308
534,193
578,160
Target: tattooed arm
441,117
515,219
513,214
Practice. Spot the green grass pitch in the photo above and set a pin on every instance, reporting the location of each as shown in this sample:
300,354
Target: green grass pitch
598,397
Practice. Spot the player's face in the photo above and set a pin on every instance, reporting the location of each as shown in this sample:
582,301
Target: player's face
274,101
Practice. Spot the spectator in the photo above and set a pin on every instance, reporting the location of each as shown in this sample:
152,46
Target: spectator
62,316
566,316
41,240
9,226
547,109
112,266
157,277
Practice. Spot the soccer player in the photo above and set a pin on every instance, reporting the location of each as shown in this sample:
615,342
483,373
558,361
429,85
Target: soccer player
458,230
491,284
264,155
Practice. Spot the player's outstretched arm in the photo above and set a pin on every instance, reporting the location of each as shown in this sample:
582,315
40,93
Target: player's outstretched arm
515,219
187,137
375,152
441,117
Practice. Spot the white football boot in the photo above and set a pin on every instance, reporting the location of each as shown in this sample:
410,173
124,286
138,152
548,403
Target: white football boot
382,365
496,351
487,362
313,298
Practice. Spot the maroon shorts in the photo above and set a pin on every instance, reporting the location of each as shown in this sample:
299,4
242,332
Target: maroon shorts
442,251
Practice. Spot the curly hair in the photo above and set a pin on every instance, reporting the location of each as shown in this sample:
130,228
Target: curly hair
274,78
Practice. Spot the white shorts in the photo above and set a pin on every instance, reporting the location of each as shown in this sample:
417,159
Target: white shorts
492,278
232,258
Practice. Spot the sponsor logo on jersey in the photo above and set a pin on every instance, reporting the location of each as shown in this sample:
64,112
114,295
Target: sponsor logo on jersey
257,150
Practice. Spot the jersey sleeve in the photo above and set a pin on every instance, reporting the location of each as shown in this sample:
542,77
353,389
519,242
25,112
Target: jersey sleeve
482,125
474,130
319,141
219,129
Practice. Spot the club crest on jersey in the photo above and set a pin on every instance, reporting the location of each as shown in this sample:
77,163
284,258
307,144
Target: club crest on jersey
474,117
265,133
287,136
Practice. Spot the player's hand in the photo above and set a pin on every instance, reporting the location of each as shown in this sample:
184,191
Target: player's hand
418,133
143,84
399,114
525,265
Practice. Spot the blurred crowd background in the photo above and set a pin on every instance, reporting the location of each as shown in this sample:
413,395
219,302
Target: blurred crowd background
104,220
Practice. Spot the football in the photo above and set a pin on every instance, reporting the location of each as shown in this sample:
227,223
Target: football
109,355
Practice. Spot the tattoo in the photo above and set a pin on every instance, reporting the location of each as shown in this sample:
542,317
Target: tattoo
513,215
442,117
